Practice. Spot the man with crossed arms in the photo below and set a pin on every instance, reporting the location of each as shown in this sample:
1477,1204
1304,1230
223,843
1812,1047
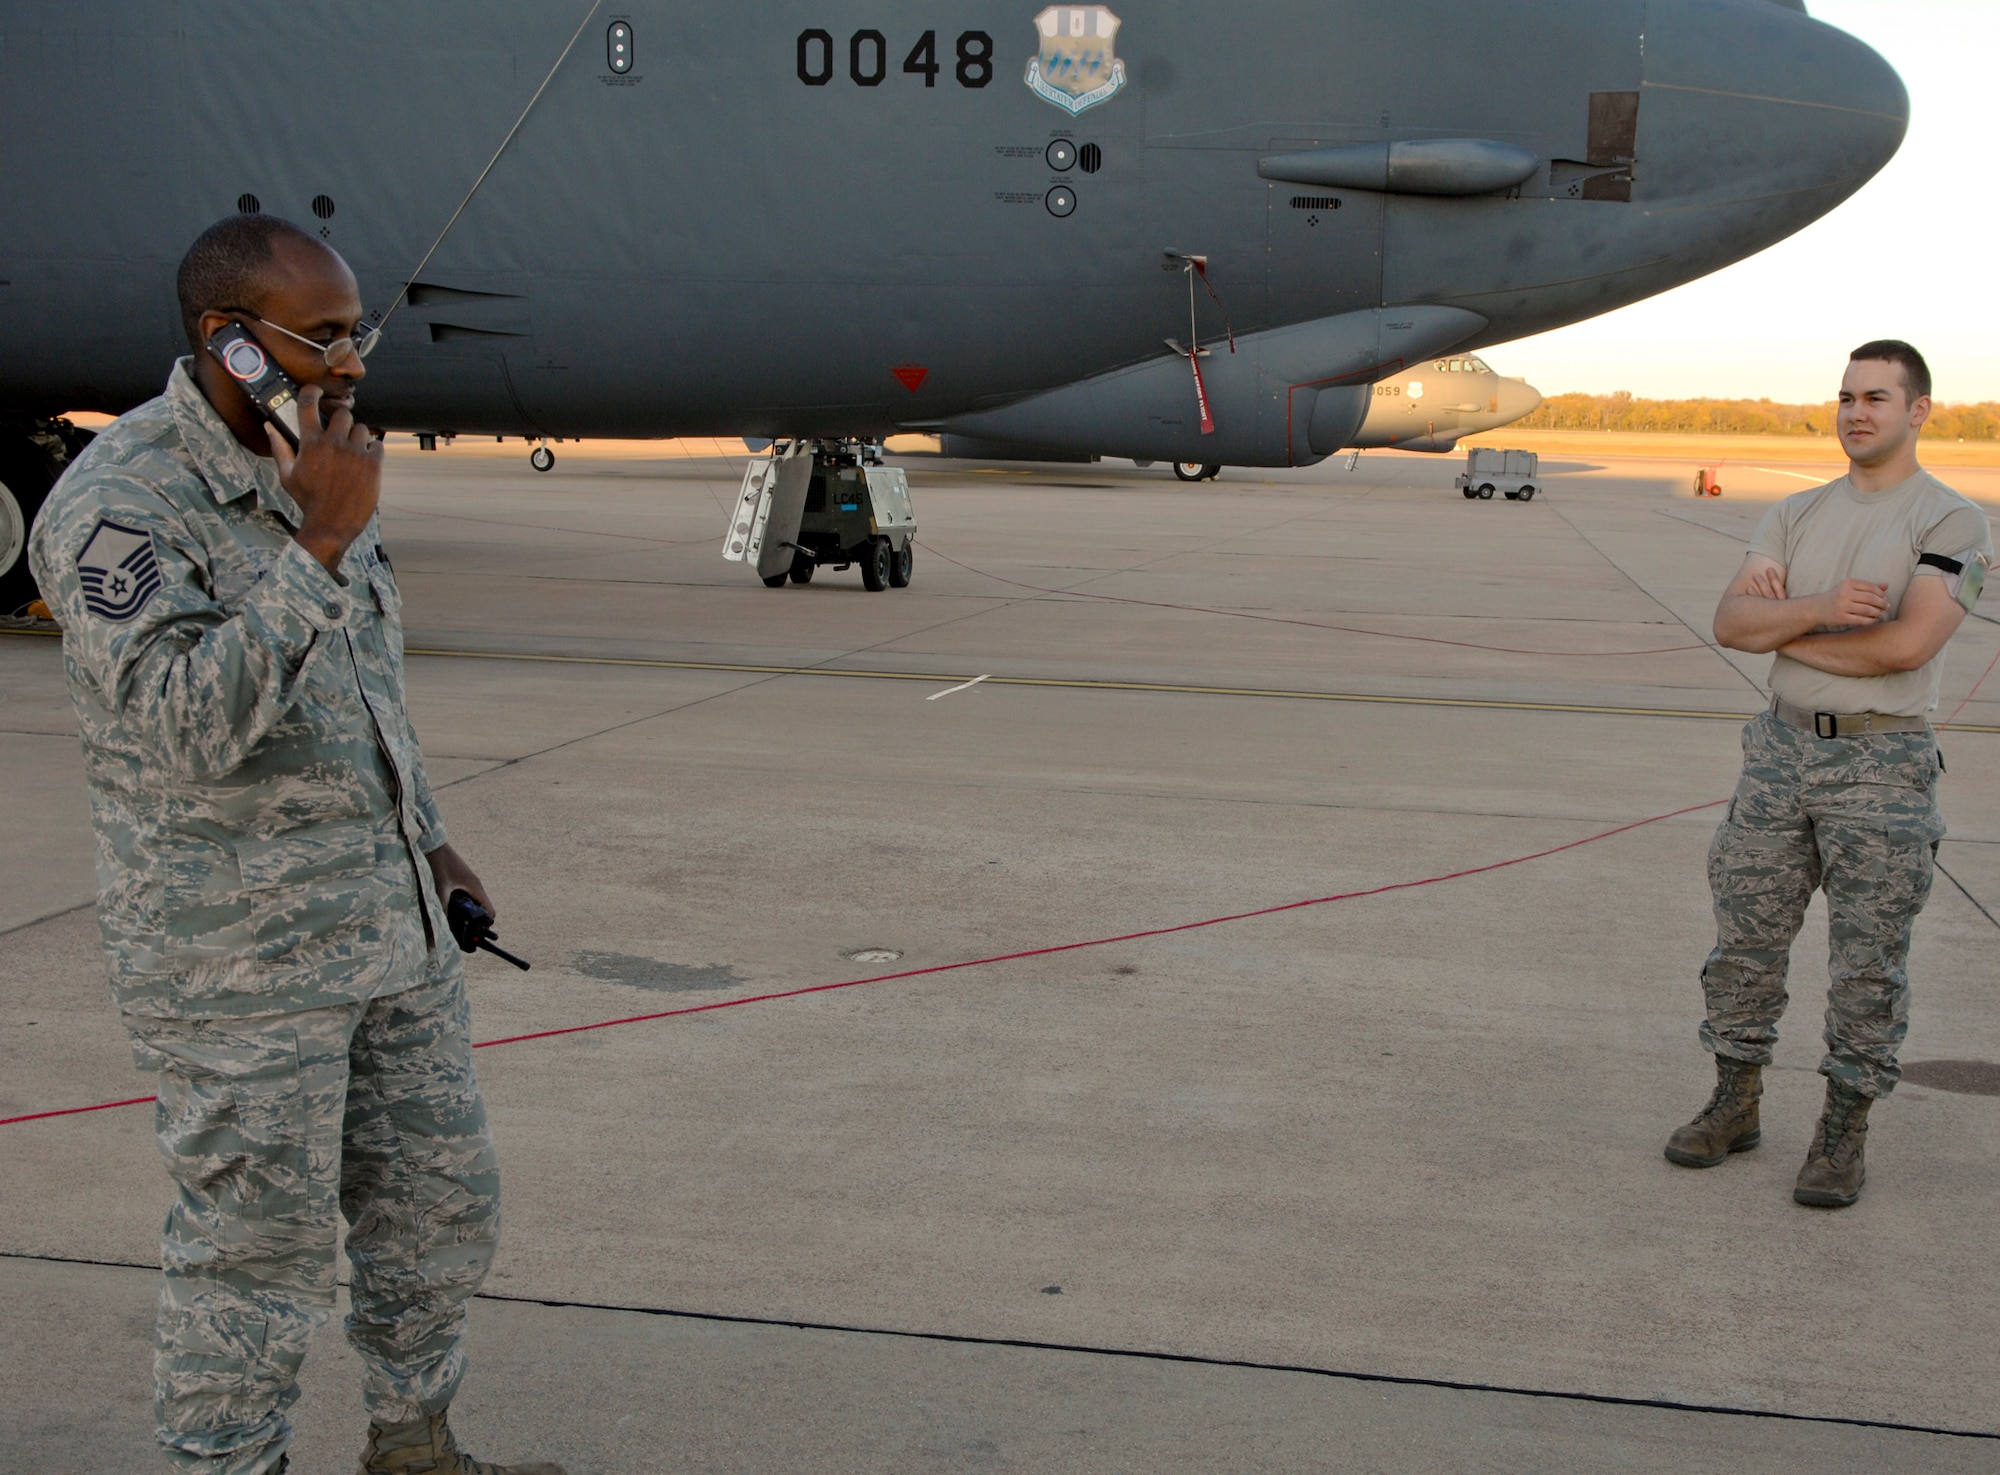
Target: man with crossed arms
1856,586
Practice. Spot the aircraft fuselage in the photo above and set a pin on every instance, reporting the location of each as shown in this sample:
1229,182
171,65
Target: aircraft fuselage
824,217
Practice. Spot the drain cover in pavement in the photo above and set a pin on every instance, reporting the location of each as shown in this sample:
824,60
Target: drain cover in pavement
873,955
670,978
1967,1077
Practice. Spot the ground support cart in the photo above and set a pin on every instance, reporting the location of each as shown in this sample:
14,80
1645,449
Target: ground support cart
1517,473
815,503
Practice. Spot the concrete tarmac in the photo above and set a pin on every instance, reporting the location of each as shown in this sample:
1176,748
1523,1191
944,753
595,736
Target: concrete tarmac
1413,1135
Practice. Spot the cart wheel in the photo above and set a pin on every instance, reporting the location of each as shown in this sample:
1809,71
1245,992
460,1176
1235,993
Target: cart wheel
541,458
1513,496
1211,471
1190,470
802,569
875,565
1470,493
1527,494
1716,490
1486,491
774,581
902,565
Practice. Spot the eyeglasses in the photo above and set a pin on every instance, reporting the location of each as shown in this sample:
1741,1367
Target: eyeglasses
338,352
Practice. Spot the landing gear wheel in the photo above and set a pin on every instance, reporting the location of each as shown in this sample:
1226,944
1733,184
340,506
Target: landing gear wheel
541,458
774,581
875,565
1211,471
1190,470
901,566
1527,494
25,479
1486,491
802,569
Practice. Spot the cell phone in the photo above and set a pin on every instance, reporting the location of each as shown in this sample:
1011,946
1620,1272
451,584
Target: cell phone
244,359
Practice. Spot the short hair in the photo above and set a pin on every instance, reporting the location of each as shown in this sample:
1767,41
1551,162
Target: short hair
1916,373
229,265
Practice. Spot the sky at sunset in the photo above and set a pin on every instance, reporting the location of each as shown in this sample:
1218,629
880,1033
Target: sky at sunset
1913,255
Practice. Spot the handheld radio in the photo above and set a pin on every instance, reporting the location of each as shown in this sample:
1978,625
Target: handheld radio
472,925
244,359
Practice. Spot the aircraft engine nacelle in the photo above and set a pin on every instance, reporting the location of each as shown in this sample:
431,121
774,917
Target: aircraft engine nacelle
1286,397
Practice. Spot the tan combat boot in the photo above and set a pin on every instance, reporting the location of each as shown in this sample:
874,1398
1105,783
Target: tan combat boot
1728,1123
427,1447
1834,1171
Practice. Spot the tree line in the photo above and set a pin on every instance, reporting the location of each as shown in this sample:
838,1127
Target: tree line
1622,411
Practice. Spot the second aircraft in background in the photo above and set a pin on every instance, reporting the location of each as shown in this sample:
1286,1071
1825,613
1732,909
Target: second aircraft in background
1426,408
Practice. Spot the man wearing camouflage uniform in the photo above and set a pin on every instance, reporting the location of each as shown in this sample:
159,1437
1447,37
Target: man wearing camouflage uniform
1856,586
271,871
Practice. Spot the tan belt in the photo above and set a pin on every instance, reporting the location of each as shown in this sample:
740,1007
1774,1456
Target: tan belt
1846,724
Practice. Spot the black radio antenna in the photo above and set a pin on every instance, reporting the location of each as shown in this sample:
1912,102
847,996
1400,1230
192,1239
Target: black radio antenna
404,291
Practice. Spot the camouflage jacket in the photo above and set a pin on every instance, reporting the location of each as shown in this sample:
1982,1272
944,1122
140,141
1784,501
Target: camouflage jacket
258,795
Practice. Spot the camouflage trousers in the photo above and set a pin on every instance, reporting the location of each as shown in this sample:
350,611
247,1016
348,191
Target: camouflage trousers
275,1128
1858,818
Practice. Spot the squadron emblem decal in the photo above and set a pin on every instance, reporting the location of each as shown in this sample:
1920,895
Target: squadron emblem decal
118,570
1077,67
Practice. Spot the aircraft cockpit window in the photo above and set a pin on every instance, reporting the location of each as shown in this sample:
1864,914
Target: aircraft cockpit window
1478,366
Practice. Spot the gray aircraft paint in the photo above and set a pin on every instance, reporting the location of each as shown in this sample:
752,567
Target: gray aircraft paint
1429,406
705,244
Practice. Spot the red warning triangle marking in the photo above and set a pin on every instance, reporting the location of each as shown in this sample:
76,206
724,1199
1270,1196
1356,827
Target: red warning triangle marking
911,375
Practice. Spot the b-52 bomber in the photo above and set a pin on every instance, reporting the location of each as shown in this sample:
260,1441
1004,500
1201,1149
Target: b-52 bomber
1160,229
1427,407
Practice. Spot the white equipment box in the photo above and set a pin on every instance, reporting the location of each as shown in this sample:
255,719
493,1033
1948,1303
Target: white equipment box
889,490
1517,473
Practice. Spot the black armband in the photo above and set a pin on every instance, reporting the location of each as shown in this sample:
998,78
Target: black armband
1963,577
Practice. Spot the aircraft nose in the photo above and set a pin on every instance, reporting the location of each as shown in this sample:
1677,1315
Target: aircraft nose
1751,100
1518,399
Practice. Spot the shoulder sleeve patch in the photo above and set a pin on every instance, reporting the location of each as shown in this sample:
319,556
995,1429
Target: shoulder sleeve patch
118,569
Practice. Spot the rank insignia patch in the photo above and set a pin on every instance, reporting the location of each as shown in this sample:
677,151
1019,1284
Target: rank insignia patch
1077,67
119,571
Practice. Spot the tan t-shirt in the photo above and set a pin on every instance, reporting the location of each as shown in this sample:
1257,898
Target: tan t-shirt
1833,533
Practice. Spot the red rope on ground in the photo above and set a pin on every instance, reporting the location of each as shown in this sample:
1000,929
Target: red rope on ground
1244,614
1039,952
36,1116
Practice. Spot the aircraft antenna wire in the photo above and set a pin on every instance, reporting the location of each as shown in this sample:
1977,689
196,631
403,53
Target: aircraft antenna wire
404,291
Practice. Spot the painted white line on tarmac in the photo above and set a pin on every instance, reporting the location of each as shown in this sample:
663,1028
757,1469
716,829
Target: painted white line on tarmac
950,689
1773,471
